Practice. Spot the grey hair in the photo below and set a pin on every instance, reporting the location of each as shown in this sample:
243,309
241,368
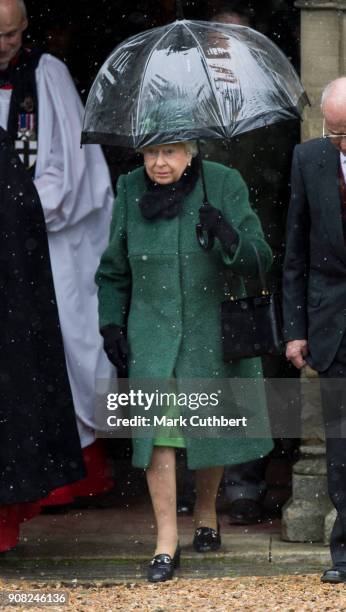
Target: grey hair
22,7
191,147
325,92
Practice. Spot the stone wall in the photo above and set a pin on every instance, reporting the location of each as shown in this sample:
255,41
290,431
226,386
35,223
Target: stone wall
323,54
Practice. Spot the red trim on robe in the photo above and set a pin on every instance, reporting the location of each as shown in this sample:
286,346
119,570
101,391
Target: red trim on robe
98,480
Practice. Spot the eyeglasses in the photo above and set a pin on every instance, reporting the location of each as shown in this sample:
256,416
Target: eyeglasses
331,136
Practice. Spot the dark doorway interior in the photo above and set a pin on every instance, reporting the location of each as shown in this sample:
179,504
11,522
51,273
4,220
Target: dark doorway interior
83,33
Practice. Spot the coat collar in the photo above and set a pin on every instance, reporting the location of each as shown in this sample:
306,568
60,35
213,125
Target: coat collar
330,197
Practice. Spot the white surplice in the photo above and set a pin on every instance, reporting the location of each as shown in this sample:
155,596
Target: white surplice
76,195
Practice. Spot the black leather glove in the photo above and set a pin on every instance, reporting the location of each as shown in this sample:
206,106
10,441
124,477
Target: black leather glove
212,220
116,347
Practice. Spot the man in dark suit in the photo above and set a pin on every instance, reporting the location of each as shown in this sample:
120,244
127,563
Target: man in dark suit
314,288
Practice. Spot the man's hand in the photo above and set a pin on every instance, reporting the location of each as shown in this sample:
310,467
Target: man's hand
296,350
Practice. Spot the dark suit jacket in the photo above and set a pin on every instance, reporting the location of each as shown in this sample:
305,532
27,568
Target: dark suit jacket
314,282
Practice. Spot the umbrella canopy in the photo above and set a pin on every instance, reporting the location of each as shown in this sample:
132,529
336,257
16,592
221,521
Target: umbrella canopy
188,80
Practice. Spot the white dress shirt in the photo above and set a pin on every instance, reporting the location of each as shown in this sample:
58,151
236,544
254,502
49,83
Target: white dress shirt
343,164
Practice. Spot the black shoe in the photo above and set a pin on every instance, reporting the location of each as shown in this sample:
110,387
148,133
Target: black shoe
161,567
334,576
207,539
245,512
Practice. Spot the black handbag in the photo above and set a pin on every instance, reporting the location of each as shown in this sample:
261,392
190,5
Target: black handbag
252,326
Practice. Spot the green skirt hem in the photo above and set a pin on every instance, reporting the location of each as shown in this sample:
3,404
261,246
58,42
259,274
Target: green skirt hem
174,442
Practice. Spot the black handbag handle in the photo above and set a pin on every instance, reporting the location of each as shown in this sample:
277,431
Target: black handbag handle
261,271
262,274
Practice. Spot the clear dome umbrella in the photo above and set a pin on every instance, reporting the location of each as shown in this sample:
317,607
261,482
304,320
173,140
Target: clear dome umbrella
190,80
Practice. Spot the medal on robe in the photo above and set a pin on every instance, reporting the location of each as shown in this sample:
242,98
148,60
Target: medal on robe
26,142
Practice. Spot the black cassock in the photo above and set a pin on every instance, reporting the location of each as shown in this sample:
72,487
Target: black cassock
39,442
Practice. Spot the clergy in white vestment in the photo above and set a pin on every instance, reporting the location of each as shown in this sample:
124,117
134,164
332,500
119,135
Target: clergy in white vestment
42,112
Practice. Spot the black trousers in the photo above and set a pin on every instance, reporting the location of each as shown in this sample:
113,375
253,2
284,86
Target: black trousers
333,391
247,480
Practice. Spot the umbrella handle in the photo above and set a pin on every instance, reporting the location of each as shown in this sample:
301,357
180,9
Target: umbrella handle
205,239
179,9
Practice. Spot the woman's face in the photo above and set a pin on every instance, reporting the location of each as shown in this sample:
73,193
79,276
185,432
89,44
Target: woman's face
166,163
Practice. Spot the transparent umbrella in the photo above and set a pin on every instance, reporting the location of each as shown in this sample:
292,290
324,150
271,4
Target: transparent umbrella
190,80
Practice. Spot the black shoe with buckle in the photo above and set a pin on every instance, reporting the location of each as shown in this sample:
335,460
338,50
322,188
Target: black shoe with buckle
207,539
334,576
161,567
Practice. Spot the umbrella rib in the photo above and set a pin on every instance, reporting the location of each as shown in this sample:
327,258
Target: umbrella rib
145,68
206,69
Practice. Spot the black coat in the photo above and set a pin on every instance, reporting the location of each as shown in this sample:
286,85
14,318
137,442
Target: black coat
315,263
39,443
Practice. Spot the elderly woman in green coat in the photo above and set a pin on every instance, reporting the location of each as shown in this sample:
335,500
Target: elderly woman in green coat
159,308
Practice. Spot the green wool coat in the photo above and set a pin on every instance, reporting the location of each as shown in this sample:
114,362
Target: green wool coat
156,274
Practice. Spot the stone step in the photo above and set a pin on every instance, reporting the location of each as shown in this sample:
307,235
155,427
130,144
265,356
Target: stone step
112,571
